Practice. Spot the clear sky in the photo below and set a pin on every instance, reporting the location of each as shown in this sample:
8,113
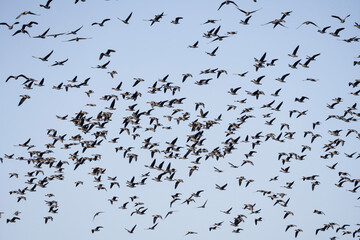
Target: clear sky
151,52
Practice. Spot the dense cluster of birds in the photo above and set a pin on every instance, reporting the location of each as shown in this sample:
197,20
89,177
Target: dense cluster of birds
157,159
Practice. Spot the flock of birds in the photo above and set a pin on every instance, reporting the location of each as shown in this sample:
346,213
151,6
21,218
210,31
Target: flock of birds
146,120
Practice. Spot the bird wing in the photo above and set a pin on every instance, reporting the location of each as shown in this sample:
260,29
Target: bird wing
128,18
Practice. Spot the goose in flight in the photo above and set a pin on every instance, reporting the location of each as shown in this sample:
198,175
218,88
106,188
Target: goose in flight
246,21
293,54
60,63
126,21
106,54
308,23
227,2
101,24
210,21
132,229
26,13
9,26
248,13
324,29
336,33
102,66
213,52
76,39
23,98
342,20
43,35
195,45
44,58
47,5
221,187
176,21
96,214
97,229
75,31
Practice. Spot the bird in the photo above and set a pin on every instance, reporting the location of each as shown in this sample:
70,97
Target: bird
47,218
242,74
60,63
96,229
233,91
12,220
101,24
23,98
293,54
10,27
247,13
176,21
297,232
96,214
246,21
103,66
26,13
156,18
301,100
282,78
287,213
126,21
308,23
221,187
132,229
75,31
46,57
342,20
227,2
47,5
336,33
137,81
76,39
294,64
106,54
213,52
322,31
22,30
195,45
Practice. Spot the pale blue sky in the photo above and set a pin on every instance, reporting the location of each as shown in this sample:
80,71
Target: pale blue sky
152,52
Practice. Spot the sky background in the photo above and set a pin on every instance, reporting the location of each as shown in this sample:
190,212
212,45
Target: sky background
151,53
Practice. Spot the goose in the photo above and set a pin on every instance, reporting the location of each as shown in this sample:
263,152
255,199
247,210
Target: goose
213,52
307,23
101,24
26,13
342,20
293,54
126,21
10,27
176,21
227,2
247,13
60,63
336,33
195,45
322,31
294,64
75,31
23,98
43,35
45,59
97,229
106,54
47,5
246,21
